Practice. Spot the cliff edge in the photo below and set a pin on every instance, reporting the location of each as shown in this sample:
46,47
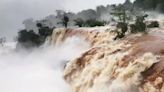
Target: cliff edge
132,64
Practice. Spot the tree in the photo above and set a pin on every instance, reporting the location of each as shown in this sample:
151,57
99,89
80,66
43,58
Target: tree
120,12
89,23
2,41
122,24
44,31
139,25
150,5
89,14
65,20
93,23
79,22
124,27
30,39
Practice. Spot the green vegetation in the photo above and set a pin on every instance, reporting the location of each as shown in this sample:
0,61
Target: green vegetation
139,25
150,5
89,23
44,31
79,22
153,24
29,39
122,24
65,21
124,27
120,12
93,23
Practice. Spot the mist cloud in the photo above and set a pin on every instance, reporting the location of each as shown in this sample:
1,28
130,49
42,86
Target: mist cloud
39,70
13,12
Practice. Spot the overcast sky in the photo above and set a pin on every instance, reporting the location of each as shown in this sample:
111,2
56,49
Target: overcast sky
13,12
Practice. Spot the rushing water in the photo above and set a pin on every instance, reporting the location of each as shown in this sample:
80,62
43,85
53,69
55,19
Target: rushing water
39,70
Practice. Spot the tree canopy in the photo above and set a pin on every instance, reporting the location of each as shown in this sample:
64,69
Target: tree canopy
150,4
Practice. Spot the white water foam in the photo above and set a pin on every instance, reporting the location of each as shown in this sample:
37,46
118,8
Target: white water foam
39,70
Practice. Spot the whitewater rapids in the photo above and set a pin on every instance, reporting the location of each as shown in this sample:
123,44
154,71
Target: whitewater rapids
40,70
87,60
132,64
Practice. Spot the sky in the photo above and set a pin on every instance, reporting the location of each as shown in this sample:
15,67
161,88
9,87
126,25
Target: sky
13,12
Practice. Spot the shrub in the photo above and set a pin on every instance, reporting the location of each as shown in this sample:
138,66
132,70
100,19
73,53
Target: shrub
93,23
124,28
89,23
140,25
153,24
29,39
133,28
44,30
79,22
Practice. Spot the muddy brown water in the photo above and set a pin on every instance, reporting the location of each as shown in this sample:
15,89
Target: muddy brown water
154,43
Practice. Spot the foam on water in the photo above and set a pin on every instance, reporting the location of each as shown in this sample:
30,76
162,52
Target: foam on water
39,70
